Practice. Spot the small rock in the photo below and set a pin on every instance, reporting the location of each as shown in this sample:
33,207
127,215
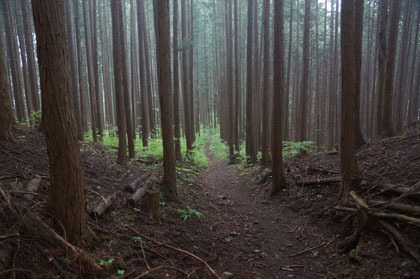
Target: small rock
256,251
256,222
234,234
229,239
290,275
227,274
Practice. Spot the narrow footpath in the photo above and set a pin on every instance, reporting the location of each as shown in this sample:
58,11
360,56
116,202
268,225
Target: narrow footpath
271,239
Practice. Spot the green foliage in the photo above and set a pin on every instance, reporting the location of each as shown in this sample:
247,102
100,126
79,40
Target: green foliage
218,147
21,138
106,263
120,271
136,239
35,117
189,212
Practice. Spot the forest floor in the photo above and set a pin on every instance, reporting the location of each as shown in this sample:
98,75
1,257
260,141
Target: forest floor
222,216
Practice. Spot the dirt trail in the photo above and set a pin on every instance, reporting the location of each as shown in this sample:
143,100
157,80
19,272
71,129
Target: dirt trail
264,232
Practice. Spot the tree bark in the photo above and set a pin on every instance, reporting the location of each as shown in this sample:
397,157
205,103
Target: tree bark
118,83
279,179
387,129
177,124
349,85
265,90
165,94
66,199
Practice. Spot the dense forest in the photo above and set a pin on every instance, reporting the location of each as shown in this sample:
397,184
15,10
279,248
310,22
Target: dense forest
205,136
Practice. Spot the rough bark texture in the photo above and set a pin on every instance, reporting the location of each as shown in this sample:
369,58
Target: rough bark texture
165,94
66,199
177,126
303,115
265,89
349,84
229,77
6,114
118,84
387,129
279,180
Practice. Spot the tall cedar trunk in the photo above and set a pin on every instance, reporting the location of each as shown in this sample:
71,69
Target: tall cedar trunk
349,85
387,129
229,76
331,85
66,199
400,86
266,75
289,68
95,51
73,70
163,55
80,68
382,55
118,82
6,113
133,69
145,121
358,37
185,77
279,179
177,124
91,75
29,42
303,115
25,71
126,89
250,144
12,49
318,92
412,109
237,77
191,72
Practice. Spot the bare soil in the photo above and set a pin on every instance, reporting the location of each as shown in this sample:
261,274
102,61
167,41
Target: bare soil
293,235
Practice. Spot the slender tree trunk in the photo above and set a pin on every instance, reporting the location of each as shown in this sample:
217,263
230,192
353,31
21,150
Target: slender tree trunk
229,77
163,55
6,113
250,144
265,90
279,179
81,69
12,49
286,100
305,75
387,129
349,85
73,71
177,124
118,82
91,75
66,199
237,77
358,29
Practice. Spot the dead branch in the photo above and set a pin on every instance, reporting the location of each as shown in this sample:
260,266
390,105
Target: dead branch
319,181
32,187
159,268
176,249
103,206
43,232
137,196
311,249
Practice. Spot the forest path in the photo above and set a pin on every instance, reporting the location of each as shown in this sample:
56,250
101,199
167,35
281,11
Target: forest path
264,233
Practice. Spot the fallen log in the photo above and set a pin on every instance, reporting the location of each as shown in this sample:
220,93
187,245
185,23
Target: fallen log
405,242
134,198
130,188
43,232
103,206
319,181
402,207
401,190
32,187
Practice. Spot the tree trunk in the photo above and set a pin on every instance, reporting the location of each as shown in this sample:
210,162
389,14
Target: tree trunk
250,144
303,115
6,113
91,75
126,91
229,77
266,76
279,180
177,124
145,121
387,129
118,83
66,199
349,85
163,55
